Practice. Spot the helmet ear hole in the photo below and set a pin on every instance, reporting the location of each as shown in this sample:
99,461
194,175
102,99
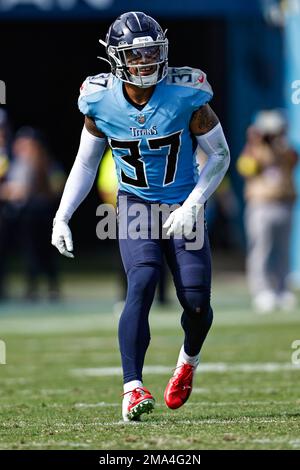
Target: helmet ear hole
131,31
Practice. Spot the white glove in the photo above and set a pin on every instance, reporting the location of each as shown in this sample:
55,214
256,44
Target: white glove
182,220
62,238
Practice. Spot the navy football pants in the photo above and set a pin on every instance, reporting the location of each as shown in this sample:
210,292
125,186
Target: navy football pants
142,260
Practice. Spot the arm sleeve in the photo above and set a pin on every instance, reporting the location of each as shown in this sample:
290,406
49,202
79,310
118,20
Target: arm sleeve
82,175
214,144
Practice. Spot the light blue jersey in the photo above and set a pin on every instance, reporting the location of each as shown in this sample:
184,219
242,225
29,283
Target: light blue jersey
152,148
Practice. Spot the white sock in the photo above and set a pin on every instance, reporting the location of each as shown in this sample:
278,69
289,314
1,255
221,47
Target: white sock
132,385
127,388
183,358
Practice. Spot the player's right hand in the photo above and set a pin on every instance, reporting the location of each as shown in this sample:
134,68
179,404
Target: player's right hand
62,238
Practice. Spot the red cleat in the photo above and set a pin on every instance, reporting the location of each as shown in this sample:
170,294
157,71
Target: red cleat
180,386
136,402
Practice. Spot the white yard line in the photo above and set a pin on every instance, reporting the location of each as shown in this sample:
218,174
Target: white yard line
199,422
25,323
218,367
15,380
295,443
60,443
101,404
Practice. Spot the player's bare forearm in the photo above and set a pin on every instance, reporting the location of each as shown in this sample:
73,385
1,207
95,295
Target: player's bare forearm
203,120
92,128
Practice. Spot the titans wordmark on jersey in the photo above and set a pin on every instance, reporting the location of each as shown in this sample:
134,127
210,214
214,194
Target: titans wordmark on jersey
152,148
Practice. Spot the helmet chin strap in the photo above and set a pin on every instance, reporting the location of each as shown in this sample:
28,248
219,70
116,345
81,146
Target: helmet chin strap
118,63
103,58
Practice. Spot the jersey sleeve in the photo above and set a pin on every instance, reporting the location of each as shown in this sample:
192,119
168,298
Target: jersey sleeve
91,92
195,83
202,91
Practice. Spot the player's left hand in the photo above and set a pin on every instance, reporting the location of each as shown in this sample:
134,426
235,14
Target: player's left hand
181,221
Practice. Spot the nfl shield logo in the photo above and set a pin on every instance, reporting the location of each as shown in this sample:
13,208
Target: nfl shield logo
141,119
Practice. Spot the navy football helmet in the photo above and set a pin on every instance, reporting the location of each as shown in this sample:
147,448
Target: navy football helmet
137,49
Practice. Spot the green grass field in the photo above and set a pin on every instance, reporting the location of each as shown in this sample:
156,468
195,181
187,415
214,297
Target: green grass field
61,386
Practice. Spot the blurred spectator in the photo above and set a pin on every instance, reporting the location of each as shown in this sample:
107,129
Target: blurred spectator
107,182
267,163
29,194
4,144
221,212
4,162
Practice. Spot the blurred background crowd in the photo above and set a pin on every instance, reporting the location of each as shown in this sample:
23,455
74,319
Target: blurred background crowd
31,183
248,53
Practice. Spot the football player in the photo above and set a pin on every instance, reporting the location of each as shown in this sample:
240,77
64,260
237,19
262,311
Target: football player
153,117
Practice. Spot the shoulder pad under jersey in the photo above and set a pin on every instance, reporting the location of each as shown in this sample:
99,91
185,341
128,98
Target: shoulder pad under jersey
90,90
189,77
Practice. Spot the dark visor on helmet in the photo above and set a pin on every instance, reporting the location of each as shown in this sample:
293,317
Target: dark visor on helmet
143,55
